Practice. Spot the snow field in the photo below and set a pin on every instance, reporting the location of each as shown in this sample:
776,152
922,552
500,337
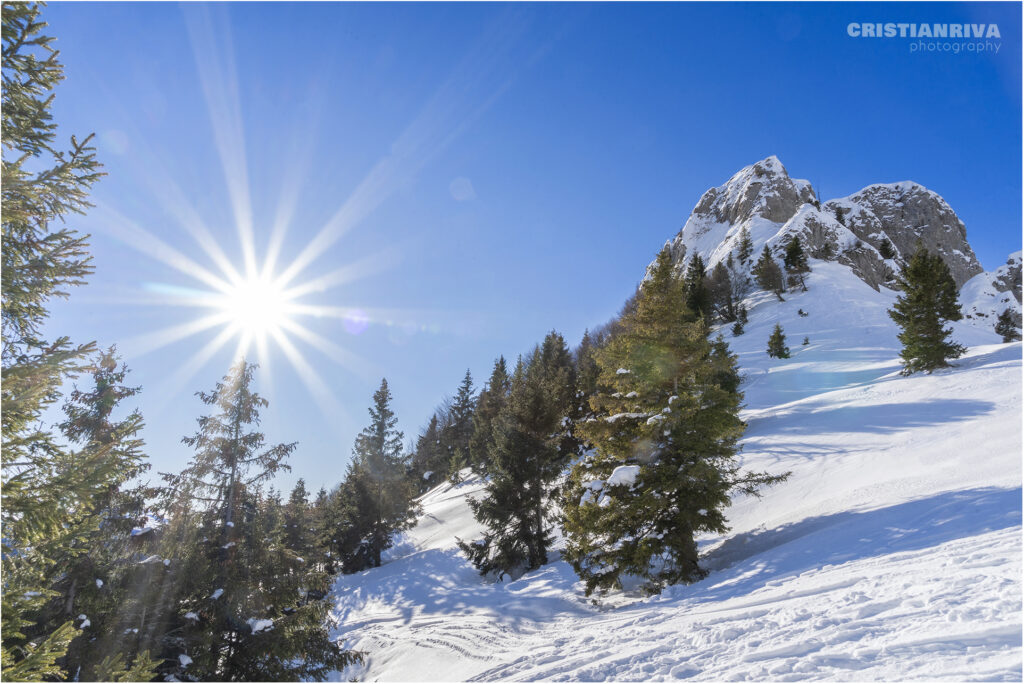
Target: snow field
892,552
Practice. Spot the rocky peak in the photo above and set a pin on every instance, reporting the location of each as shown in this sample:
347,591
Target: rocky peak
762,200
905,213
763,189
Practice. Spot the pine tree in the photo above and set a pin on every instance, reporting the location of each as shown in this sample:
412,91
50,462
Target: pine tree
428,467
768,273
381,501
1007,327
587,372
299,534
489,405
795,262
46,511
698,299
665,437
533,441
459,431
746,247
92,578
720,289
886,249
929,299
233,601
777,344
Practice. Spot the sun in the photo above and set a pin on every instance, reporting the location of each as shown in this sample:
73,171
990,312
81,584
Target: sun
256,307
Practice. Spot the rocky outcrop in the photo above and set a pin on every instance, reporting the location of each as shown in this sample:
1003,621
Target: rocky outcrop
986,295
904,214
763,189
762,200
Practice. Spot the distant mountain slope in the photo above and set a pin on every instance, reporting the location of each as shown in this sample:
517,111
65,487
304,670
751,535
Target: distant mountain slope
893,551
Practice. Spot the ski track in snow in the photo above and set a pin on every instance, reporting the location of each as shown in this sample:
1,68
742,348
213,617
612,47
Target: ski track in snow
892,552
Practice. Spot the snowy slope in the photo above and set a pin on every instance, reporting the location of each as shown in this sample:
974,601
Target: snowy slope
892,552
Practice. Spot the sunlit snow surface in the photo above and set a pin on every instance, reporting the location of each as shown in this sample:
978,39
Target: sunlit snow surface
893,551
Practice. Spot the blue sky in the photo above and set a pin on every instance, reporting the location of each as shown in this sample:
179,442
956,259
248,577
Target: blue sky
493,171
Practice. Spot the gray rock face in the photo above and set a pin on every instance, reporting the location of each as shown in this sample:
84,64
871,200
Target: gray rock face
773,207
1007,278
905,213
763,189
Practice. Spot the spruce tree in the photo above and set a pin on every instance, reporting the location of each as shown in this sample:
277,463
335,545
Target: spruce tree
380,496
886,249
777,344
533,441
720,288
928,301
232,600
665,444
768,273
459,431
492,400
93,578
698,299
1007,327
587,372
47,510
746,246
428,466
795,262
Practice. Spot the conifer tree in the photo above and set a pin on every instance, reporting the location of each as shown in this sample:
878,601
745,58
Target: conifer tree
492,400
768,273
428,467
299,535
233,601
698,299
1006,327
92,577
928,301
665,436
533,441
795,262
720,289
587,372
380,496
46,511
746,246
777,344
459,430
886,249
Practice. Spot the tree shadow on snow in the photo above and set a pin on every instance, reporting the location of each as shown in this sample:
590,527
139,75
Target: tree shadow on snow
442,582
749,561
877,418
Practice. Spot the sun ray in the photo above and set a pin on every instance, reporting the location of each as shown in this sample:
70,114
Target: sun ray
150,342
184,373
215,61
297,167
140,239
149,167
367,266
327,402
444,117
347,359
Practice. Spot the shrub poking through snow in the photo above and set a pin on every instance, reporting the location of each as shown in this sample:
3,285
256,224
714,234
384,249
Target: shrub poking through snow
662,471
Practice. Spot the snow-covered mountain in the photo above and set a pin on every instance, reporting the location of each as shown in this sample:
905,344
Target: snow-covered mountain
774,207
892,552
